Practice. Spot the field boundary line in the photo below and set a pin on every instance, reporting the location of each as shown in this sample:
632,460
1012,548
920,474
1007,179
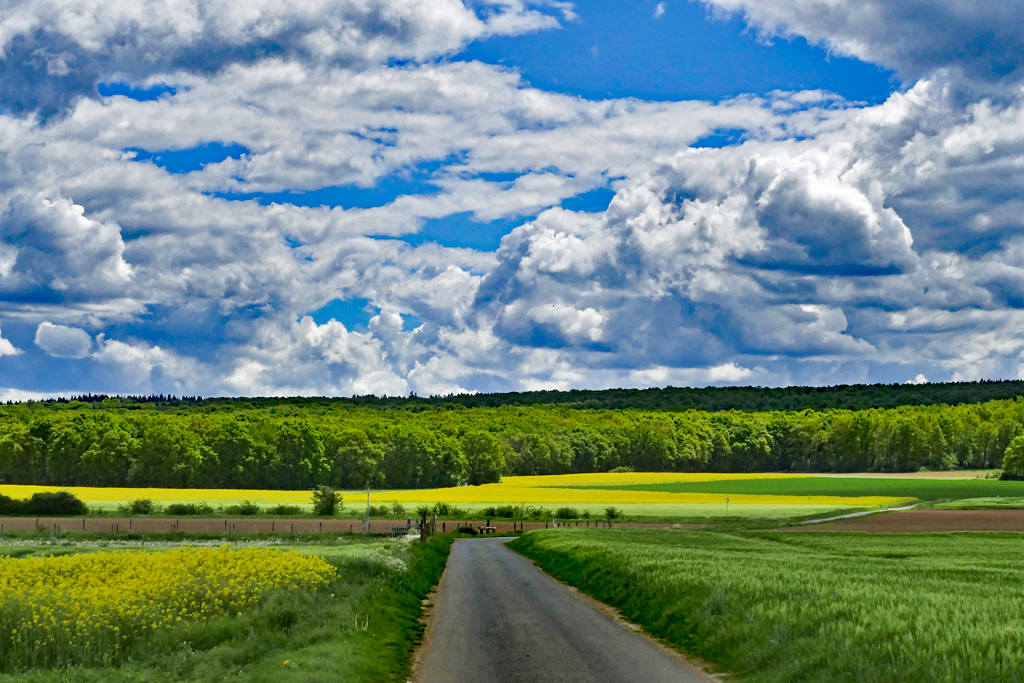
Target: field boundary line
853,515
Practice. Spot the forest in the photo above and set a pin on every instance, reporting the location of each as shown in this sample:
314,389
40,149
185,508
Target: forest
300,443
851,396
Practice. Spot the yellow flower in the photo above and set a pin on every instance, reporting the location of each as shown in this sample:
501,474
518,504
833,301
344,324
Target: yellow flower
95,600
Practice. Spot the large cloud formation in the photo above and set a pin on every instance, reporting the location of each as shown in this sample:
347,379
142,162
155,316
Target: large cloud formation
979,38
836,243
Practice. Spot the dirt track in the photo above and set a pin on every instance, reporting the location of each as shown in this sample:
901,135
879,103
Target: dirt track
919,521
250,525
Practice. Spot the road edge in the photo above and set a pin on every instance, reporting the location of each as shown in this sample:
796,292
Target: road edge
427,615
698,667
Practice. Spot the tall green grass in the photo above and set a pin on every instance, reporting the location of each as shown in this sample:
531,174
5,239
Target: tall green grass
816,607
923,489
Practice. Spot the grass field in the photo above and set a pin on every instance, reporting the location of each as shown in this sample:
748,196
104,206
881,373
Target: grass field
823,608
982,504
831,488
359,622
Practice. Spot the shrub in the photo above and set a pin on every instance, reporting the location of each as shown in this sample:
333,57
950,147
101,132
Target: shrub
380,511
50,503
422,510
567,513
621,470
611,513
285,510
326,501
246,507
184,509
447,510
500,511
56,503
537,513
380,562
397,509
139,506
10,506
467,530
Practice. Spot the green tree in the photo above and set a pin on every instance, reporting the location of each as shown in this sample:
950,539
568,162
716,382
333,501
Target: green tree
326,501
1013,459
300,454
353,461
168,455
485,457
108,461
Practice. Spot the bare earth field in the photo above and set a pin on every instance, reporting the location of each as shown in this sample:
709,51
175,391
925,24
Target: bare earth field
923,521
250,526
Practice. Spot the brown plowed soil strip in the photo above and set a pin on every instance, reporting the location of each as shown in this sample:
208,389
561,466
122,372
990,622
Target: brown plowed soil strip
262,525
920,521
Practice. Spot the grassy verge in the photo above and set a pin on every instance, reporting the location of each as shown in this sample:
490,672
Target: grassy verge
1011,503
780,607
362,627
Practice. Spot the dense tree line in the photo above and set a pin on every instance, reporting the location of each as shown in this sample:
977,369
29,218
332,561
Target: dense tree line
853,397
301,445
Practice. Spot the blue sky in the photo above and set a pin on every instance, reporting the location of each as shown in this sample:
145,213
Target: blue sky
441,196
630,49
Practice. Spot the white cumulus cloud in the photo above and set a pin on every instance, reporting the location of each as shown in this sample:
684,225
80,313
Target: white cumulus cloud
62,341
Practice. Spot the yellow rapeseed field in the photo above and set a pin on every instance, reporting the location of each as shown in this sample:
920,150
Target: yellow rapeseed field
551,490
113,495
75,608
536,490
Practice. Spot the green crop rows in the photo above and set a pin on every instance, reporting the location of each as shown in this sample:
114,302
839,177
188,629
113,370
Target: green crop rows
923,489
816,607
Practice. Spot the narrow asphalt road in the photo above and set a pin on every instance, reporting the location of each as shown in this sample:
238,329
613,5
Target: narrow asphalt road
500,619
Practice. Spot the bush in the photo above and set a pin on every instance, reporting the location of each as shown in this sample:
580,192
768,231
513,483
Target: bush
611,513
467,530
9,506
500,511
447,510
246,507
285,510
56,503
139,506
326,501
537,513
380,511
184,509
397,509
621,470
567,513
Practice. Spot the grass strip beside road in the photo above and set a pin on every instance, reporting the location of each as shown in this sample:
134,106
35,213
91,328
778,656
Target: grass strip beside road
822,608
